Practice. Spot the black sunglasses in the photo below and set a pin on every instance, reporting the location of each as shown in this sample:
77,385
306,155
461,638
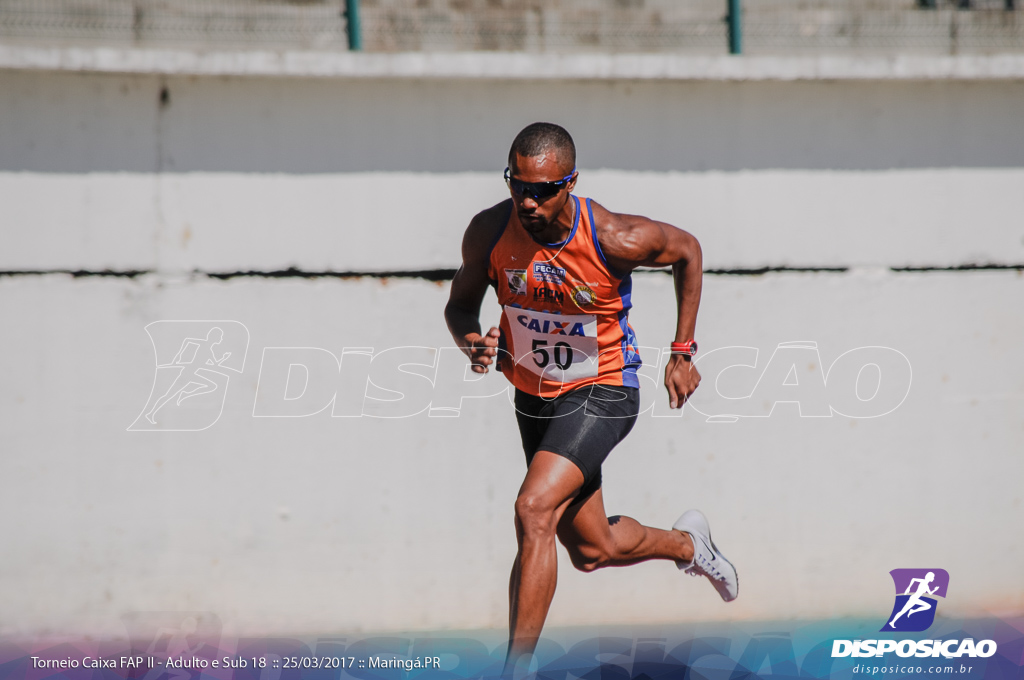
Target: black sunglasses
536,190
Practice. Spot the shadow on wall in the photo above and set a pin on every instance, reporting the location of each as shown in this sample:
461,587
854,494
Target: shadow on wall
74,123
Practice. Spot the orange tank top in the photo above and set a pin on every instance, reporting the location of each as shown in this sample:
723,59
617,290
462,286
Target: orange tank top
564,322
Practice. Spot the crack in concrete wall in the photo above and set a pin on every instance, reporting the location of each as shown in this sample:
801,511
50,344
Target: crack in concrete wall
441,275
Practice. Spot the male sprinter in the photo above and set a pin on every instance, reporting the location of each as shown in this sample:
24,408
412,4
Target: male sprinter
561,268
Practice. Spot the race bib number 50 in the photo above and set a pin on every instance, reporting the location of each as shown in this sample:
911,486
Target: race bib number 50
560,347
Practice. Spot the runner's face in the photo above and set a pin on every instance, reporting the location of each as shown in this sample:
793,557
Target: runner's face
536,215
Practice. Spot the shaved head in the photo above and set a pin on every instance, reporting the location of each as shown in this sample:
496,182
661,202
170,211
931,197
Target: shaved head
541,138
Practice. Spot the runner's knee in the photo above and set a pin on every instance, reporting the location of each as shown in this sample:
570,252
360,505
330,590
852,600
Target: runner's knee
535,514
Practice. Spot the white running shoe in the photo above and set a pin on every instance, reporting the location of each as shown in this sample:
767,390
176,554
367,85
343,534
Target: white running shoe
707,559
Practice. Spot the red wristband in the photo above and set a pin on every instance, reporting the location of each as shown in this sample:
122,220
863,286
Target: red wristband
689,348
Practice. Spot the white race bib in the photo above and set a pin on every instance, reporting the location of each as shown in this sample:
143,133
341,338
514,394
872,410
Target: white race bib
560,347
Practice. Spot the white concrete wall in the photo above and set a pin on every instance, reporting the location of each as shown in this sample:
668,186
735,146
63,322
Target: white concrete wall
320,523
254,173
395,221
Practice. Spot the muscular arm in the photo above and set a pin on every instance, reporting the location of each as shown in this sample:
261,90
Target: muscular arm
630,241
462,313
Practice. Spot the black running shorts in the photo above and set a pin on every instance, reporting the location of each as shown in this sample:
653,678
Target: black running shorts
583,425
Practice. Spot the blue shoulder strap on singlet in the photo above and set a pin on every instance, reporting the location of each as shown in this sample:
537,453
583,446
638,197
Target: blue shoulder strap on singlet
597,244
501,232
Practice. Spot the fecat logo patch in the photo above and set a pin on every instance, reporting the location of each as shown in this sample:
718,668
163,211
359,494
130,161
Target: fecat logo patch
516,281
548,273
